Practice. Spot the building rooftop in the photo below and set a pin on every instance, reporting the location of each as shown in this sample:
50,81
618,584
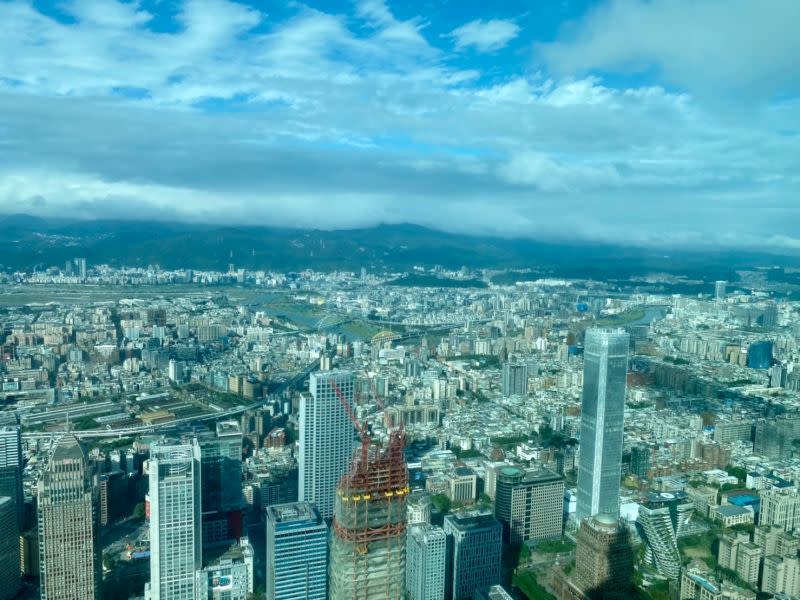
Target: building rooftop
292,513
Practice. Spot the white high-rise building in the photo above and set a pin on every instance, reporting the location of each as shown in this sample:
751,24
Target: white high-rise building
326,438
11,469
605,370
175,523
426,552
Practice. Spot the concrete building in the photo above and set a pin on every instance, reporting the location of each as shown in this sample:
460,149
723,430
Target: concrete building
495,592
426,555
9,549
514,379
326,438
603,557
462,485
175,520
780,508
739,554
640,461
69,557
418,508
781,575
297,553
475,542
230,577
774,540
602,413
529,504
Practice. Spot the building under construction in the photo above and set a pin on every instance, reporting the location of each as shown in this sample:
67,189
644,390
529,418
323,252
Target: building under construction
368,543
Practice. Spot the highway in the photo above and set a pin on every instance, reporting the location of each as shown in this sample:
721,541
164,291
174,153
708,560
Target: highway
143,429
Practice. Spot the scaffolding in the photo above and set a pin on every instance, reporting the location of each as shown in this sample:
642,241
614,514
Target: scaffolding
368,545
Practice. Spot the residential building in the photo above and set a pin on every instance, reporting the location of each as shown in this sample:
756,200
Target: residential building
640,461
781,575
602,413
662,518
781,508
297,552
514,379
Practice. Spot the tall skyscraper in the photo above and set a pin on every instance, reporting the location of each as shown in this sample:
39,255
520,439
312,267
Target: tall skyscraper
605,370
426,556
720,288
514,379
662,518
175,521
640,461
69,556
529,504
221,474
9,549
326,438
475,544
297,553
11,469
604,559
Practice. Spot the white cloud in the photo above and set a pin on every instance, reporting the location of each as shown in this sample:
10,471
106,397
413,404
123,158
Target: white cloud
709,47
485,36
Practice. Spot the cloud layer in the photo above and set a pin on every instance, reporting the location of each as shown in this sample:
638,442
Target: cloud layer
219,112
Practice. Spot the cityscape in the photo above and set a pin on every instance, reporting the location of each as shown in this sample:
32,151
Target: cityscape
399,300
250,434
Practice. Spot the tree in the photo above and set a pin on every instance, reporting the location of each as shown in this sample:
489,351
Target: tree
139,511
441,503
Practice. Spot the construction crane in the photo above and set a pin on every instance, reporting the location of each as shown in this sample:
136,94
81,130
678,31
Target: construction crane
361,428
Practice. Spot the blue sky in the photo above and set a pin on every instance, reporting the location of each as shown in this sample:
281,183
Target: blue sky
650,122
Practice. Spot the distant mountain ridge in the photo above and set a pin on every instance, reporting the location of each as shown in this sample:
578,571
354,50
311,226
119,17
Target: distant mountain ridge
28,242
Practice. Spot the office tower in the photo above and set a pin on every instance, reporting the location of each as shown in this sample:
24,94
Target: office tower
603,558
662,518
69,556
720,288
68,268
9,549
297,553
221,474
640,461
326,438
229,577
175,529
759,355
425,562
605,369
529,504
495,592
368,538
11,466
474,545
514,379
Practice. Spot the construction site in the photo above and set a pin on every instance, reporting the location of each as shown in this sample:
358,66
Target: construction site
368,541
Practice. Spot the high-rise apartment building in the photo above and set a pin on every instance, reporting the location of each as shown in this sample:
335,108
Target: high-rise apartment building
221,475
640,461
603,558
69,556
720,288
514,379
605,370
426,554
739,554
662,518
781,575
297,553
326,438
780,508
11,469
9,549
529,504
475,543
175,520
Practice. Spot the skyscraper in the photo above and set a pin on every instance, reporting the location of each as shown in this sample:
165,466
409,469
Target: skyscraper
720,288
69,557
11,469
529,504
603,408
297,553
603,559
221,474
475,543
662,518
640,461
514,379
425,562
175,528
326,438
9,549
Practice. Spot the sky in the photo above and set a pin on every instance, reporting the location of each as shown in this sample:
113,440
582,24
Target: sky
671,123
